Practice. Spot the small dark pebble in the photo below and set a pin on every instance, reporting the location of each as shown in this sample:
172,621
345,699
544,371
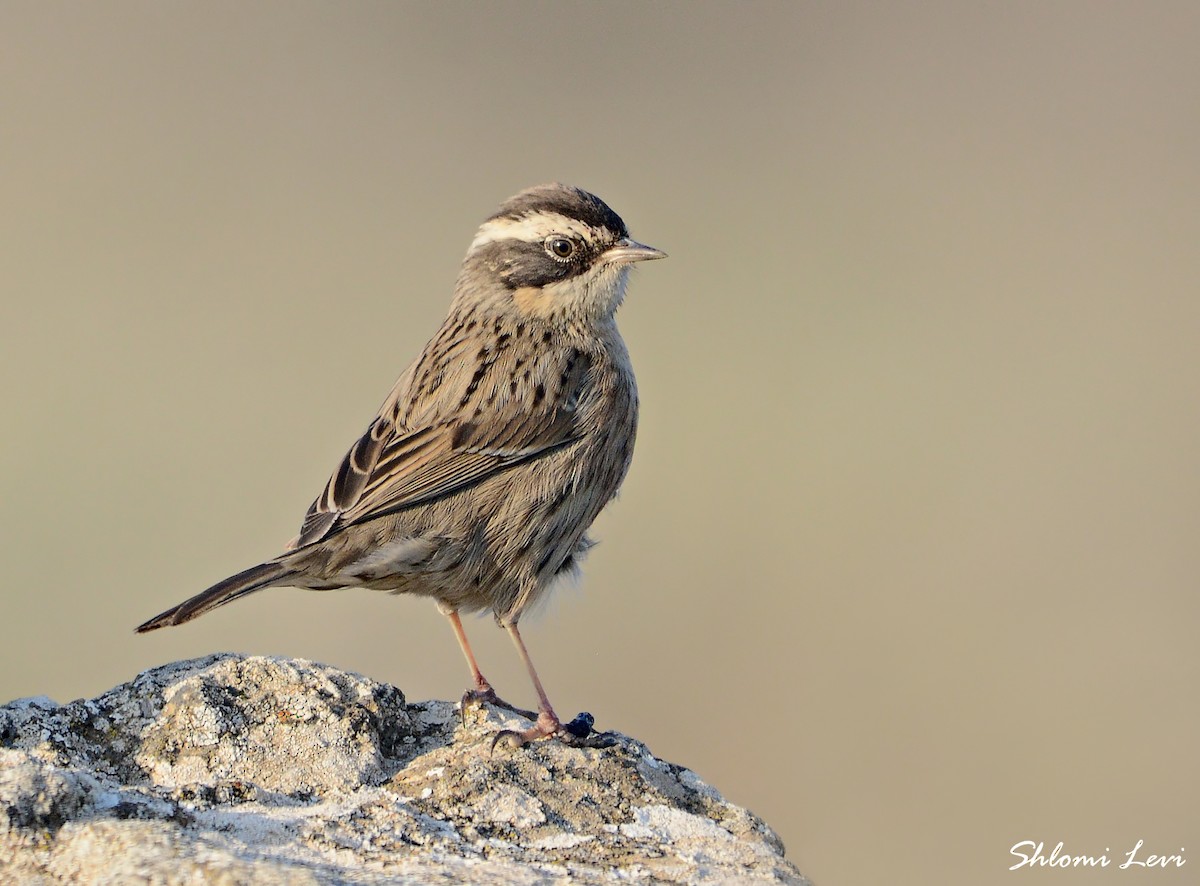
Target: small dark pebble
581,726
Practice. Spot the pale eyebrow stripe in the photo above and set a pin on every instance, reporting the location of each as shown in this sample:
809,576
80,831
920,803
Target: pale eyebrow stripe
529,228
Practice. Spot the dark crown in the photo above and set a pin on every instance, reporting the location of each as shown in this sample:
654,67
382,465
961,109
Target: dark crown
574,203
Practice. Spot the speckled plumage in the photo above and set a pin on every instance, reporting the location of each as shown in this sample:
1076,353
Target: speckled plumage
476,482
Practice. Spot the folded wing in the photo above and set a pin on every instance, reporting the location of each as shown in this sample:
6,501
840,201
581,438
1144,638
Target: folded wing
391,468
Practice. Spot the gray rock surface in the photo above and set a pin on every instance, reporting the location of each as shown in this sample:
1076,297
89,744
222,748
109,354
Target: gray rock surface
232,769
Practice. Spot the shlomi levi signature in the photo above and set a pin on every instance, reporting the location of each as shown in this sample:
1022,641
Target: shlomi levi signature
1033,855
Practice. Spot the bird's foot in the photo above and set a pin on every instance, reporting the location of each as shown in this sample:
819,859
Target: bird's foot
489,696
546,725
577,733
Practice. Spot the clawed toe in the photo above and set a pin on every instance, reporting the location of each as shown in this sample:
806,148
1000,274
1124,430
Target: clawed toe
578,733
546,725
489,696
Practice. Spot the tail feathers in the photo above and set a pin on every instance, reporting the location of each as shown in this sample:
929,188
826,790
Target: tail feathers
247,582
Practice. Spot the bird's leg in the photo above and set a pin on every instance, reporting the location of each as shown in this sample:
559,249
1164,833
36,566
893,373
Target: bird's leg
483,691
547,722
482,686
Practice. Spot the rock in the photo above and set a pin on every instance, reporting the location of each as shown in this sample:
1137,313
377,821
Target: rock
234,769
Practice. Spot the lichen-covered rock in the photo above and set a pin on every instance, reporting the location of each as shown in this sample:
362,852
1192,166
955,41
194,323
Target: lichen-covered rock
232,769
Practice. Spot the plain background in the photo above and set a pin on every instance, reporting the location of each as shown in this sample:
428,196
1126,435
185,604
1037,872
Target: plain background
907,560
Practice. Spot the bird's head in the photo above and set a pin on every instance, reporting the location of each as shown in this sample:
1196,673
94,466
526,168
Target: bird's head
552,252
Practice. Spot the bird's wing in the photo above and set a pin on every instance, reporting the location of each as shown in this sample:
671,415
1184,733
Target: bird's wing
391,468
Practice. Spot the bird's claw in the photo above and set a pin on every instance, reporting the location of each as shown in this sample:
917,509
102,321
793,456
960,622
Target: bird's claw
578,733
489,696
510,737
545,725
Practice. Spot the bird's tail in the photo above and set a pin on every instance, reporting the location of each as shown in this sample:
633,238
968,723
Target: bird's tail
247,582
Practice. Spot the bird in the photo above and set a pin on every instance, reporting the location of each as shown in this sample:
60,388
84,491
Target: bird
476,482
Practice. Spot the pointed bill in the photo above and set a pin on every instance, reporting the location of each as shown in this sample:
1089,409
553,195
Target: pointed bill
627,250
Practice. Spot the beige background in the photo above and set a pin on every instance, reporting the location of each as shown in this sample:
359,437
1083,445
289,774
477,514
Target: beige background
907,560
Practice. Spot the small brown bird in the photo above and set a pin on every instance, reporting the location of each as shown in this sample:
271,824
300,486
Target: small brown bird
497,448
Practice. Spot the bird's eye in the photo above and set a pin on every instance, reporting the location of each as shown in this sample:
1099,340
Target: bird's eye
560,247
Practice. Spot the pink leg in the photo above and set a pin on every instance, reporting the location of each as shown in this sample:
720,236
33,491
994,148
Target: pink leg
547,721
483,691
481,683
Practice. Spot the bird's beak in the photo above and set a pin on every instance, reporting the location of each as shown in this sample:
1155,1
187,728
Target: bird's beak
626,251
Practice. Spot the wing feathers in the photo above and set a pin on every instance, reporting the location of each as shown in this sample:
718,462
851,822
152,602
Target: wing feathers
391,468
